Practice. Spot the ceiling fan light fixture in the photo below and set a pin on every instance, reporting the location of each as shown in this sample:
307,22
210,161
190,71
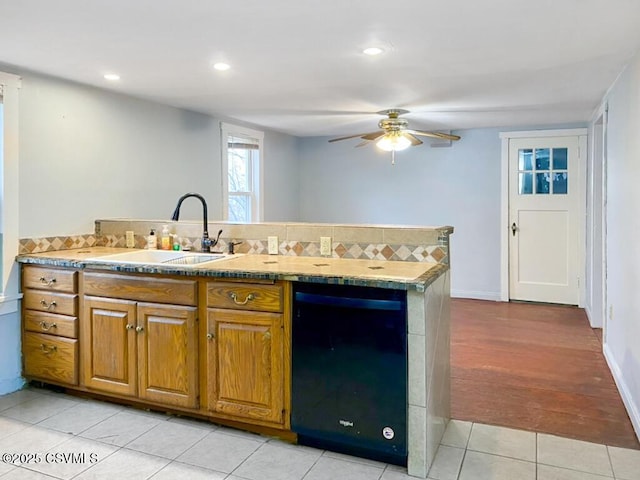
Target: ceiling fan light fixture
393,142
372,51
221,66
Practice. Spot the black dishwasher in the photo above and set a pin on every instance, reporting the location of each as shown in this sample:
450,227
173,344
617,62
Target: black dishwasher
349,370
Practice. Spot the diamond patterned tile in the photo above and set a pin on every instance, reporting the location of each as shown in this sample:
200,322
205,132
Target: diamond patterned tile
355,251
402,252
387,252
298,248
340,250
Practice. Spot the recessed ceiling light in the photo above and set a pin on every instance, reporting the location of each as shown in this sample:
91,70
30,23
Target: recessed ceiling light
112,77
372,51
221,66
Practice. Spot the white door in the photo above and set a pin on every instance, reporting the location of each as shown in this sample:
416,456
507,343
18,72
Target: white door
543,218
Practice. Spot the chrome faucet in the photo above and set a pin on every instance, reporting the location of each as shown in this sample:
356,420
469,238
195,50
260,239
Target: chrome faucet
206,242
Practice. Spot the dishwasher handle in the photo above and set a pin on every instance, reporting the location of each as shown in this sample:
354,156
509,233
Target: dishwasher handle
348,302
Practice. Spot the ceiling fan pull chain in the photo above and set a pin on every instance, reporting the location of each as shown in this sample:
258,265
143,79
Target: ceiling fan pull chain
393,157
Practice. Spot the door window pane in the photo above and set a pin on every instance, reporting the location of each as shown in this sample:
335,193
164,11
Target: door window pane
560,158
525,181
560,183
525,159
542,158
543,183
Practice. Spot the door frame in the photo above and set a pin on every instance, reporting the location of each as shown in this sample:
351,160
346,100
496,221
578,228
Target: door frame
504,202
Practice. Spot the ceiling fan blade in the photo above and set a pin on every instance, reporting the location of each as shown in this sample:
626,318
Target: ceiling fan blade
446,136
414,141
373,135
363,135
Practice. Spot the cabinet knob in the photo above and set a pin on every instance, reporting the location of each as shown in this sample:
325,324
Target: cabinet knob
130,327
48,348
248,298
209,336
49,282
47,326
139,329
47,305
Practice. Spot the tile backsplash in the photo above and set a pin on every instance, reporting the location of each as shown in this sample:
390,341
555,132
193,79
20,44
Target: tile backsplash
372,242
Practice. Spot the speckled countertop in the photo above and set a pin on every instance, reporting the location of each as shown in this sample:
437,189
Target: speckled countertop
374,273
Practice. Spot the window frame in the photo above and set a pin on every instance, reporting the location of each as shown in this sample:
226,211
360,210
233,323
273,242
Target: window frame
256,176
9,286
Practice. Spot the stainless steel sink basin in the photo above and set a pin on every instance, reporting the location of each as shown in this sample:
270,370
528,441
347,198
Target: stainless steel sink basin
160,257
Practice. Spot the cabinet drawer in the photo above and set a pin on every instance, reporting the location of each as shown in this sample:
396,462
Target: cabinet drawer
51,302
50,323
245,296
50,357
140,288
49,279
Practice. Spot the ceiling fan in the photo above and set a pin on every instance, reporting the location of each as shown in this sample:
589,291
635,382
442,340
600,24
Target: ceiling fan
395,134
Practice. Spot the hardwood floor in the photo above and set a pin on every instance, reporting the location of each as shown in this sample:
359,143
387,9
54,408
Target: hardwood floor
534,367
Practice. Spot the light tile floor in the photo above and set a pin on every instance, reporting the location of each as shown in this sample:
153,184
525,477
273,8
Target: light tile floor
86,439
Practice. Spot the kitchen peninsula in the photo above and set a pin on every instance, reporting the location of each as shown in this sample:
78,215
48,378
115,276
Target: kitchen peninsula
228,317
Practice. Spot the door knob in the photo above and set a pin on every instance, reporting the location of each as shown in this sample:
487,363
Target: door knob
139,329
209,336
514,228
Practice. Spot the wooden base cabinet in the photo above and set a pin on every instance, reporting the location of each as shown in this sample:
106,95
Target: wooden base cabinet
109,341
50,324
134,347
168,354
141,349
139,337
246,358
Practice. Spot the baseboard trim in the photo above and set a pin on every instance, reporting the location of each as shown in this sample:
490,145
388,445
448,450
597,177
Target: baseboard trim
495,296
627,399
594,322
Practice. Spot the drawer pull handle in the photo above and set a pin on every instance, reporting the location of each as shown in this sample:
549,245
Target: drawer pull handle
139,329
47,282
129,326
47,326
209,336
48,349
234,297
46,305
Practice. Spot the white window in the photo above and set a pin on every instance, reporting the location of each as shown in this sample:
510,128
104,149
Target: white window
242,173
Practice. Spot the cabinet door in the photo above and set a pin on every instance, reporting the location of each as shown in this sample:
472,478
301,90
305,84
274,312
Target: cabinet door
245,363
167,354
109,345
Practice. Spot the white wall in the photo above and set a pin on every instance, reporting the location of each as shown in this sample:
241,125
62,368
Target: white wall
10,366
87,153
622,328
281,175
458,186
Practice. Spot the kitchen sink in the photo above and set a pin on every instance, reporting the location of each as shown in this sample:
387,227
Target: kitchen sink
160,257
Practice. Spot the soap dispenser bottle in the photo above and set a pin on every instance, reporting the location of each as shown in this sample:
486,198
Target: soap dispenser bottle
165,239
152,240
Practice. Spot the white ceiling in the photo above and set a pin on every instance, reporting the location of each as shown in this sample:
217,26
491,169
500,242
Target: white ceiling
297,65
